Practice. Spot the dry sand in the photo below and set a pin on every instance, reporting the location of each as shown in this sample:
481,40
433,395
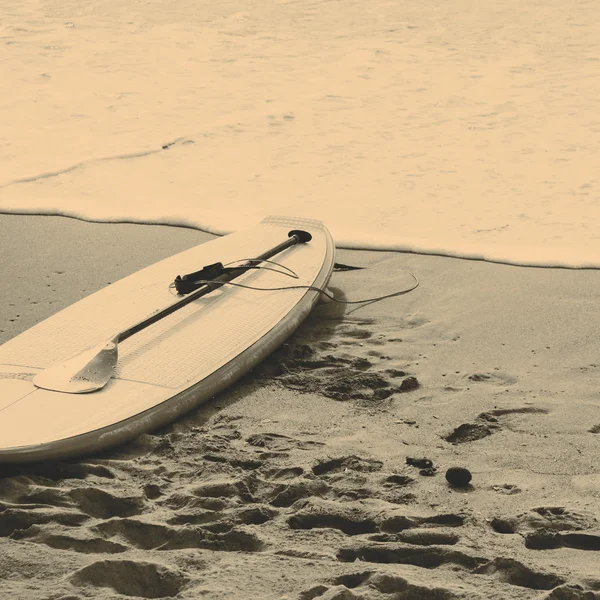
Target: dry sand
295,483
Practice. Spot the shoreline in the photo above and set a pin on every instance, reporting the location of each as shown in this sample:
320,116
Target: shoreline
252,495
350,247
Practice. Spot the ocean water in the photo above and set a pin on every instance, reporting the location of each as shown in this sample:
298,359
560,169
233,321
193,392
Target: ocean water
448,128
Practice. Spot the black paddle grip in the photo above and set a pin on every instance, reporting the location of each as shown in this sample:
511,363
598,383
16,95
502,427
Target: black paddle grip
301,235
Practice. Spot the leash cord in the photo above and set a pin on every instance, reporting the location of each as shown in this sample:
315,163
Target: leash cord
294,275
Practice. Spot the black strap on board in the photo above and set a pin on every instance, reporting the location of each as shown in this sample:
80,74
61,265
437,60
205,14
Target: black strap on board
184,284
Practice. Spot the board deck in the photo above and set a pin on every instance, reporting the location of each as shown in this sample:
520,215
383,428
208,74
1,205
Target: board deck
173,365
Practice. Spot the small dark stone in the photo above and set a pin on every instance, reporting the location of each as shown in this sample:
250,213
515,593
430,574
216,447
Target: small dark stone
458,476
410,383
420,463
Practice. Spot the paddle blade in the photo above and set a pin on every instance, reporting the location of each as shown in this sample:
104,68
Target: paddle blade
85,372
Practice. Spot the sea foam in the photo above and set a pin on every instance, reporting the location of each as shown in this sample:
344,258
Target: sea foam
402,126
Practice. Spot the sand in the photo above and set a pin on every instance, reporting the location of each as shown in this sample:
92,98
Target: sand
295,483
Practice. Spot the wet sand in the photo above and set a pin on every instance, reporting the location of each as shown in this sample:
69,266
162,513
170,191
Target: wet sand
295,483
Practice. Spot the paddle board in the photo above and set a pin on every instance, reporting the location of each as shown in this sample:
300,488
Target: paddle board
171,366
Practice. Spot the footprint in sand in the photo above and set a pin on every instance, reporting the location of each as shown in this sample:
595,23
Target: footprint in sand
288,494
74,540
509,570
131,578
354,519
338,376
55,471
340,382
421,537
376,585
355,333
102,504
219,447
505,570
92,501
323,514
220,521
279,474
425,542
471,432
349,477
409,554
551,527
371,585
487,423
346,478
345,463
279,442
353,477
14,520
151,536
402,523
493,377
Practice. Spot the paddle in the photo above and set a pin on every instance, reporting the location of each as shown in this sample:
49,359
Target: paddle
91,369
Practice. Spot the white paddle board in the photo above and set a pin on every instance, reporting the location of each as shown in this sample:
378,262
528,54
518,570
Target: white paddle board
171,366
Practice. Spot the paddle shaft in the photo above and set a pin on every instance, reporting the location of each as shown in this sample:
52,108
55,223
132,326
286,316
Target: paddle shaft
296,237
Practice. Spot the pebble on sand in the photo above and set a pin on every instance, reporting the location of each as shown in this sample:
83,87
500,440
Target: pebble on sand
458,476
